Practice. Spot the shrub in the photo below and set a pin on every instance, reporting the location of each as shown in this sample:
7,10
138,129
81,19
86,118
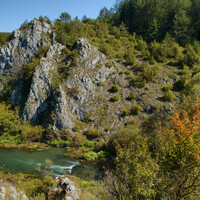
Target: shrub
90,144
115,98
126,112
31,133
79,125
100,83
4,38
109,64
141,45
107,50
91,155
137,81
149,73
123,137
92,133
62,143
42,51
115,88
79,138
29,68
38,187
102,155
136,109
168,96
152,60
130,57
191,58
41,18
167,88
191,85
136,172
131,96
127,72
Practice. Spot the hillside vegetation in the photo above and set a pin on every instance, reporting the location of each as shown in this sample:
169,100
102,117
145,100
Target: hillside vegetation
142,114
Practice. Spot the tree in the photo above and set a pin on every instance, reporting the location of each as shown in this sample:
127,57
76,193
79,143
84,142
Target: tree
162,165
180,159
65,17
181,27
136,171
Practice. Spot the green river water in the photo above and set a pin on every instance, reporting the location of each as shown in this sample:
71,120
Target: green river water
22,161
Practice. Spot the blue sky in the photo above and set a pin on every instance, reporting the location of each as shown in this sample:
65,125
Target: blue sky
14,12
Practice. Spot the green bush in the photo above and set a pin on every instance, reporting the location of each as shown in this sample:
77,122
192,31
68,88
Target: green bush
135,109
149,73
141,45
4,38
79,125
168,96
131,96
79,138
91,155
152,60
92,133
42,51
89,144
102,155
38,187
107,50
130,57
127,72
167,88
61,143
137,81
29,68
126,112
115,88
109,64
191,58
123,137
31,133
100,83
115,98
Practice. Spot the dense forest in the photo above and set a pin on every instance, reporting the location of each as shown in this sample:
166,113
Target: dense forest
153,19
156,157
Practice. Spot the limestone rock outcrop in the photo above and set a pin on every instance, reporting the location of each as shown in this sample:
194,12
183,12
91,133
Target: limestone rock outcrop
24,44
8,191
63,88
72,97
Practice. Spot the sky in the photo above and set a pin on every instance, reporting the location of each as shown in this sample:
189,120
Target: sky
14,12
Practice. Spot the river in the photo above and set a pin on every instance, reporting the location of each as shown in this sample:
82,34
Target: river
22,161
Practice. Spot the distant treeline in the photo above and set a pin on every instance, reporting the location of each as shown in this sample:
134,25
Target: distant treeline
152,19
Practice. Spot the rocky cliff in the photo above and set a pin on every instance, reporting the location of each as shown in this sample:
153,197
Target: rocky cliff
63,88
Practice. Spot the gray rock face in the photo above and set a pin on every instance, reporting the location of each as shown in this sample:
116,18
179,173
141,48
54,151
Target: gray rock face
40,90
70,188
63,119
89,54
90,70
68,102
23,45
38,100
8,191
54,51
41,99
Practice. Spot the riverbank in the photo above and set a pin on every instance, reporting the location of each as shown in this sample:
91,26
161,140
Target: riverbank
31,146
46,187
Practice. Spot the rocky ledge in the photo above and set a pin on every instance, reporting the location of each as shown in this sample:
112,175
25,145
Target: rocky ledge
8,191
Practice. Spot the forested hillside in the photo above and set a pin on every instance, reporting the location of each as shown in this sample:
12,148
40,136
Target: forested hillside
122,88
153,19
